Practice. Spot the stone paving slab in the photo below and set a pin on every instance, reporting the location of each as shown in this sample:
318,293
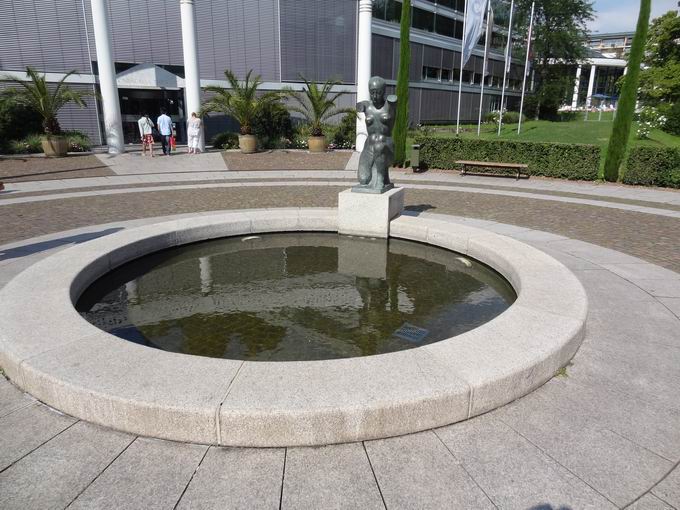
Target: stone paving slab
12,399
418,471
149,474
649,502
135,163
668,489
55,474
236,478
616,467
336,476
513,471
28,428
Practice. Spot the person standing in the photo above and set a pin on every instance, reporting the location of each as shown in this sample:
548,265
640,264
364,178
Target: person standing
164,124
146,132
194,127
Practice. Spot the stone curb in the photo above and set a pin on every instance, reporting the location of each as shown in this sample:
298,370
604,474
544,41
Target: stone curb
54,354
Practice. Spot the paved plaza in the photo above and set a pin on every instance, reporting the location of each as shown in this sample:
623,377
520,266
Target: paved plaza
604,433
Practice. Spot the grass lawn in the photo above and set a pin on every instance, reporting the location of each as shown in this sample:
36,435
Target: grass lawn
589,131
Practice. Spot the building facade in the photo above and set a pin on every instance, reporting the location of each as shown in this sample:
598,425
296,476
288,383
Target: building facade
280,40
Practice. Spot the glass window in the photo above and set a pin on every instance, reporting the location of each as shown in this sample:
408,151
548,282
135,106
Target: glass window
446,75
430,73
457,5
444,26
423,20
393,11
379,7
468,76
456,75
477,78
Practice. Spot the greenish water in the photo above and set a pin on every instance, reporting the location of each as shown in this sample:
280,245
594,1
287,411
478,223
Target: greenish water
300,296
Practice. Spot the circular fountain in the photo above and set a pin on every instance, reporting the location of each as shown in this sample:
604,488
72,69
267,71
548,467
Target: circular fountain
385,357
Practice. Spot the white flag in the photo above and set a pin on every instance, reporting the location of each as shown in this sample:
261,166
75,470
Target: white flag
474,19
489,36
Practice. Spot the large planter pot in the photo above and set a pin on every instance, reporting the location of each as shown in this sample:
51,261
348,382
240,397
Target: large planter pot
317,143
55,146
247,144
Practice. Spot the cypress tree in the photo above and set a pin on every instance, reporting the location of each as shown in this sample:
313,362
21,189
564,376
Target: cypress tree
401,122
618,141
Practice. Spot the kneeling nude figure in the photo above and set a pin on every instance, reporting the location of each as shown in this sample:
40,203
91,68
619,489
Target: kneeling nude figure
378,153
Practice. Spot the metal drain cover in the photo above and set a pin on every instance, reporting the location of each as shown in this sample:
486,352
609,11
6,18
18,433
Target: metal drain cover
411,333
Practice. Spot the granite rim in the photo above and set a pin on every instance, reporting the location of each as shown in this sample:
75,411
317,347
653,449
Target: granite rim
50,351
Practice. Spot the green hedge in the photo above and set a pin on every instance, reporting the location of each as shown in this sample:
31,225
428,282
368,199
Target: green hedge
653,166
569,161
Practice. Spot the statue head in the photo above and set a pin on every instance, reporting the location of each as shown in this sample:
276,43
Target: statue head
376,89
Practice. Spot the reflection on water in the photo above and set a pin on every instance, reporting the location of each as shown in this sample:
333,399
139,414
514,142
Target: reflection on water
282,297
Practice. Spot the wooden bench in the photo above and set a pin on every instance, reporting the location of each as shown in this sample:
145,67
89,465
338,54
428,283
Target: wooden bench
518,167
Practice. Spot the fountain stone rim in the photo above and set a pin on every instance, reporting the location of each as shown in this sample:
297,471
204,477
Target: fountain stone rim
49,350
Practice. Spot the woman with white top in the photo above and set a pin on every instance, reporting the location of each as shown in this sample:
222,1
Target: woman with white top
146,132
194,126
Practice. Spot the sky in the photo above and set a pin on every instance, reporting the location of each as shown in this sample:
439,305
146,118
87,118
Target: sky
621,15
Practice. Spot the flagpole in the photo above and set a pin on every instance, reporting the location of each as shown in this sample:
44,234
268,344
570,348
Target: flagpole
489,33
460,78
505,67
526,67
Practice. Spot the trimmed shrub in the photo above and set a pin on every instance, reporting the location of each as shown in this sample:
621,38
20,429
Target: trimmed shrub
272,124
226,140
618,141
672,124
344,135
401,121
32,144
508,117
653,166
17,122
77,141
567,161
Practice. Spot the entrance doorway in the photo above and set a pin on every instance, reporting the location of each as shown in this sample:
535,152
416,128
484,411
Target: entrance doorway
136,102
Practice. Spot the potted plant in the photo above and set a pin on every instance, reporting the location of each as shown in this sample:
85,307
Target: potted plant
316,103
242,102
35,93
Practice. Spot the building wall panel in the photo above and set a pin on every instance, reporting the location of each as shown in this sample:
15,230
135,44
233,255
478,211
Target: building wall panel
318,39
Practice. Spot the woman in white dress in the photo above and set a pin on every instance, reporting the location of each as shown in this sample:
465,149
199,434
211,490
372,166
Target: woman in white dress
194,127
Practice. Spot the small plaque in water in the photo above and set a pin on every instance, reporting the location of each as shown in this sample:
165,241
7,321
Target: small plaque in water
411,333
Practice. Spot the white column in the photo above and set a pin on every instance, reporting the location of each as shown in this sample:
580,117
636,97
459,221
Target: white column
113,124
192,80
577,83
205,268
363,65
591,84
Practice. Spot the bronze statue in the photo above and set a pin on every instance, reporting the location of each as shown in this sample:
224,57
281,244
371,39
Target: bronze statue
378,153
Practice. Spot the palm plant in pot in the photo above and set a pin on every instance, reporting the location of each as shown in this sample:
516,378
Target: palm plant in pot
242,102
316,103
35,93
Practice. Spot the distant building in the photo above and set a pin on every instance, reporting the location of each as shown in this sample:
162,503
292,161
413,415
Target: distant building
612,45
605,64
278,39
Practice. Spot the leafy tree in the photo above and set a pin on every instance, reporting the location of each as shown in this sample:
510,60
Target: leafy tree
618,141
660,77
241,100
560,36
42,98
401,120
316,104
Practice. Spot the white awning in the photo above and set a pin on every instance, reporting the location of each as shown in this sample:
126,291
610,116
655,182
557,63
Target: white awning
148,76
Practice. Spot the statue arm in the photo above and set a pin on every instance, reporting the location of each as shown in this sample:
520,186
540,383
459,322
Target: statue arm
362,105
392,102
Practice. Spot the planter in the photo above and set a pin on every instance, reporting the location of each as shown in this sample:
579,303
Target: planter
317,143
54,146
247,144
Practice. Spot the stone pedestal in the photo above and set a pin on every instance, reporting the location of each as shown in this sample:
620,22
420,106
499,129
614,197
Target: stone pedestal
365,258
369,215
